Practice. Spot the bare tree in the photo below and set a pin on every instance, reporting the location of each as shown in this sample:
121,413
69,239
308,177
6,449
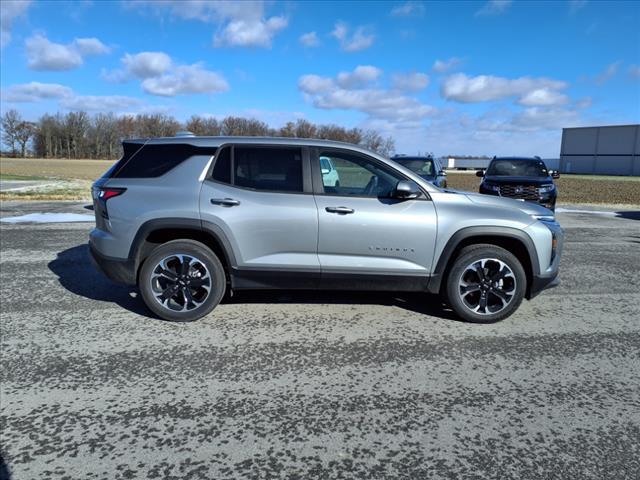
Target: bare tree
288,130
24,133
10,125
306,129
79,135
376,142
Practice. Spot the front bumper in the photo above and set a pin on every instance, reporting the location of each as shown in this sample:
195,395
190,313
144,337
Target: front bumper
548,278
117,269
547,200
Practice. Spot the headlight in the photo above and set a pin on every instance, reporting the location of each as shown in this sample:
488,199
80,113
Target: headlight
545,218
489,186
546,188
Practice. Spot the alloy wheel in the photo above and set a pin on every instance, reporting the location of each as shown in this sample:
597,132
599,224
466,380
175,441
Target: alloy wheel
487,286
180,282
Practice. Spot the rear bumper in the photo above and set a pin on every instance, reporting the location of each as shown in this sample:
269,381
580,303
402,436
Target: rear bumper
117,269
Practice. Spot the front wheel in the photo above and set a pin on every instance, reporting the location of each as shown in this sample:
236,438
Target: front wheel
182,281
486,284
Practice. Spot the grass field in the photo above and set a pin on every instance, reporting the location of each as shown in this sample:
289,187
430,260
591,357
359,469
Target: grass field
74,178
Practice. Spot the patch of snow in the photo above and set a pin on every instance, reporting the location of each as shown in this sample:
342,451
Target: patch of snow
49,218
592,212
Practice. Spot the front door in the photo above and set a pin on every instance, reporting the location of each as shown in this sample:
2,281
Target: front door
362,229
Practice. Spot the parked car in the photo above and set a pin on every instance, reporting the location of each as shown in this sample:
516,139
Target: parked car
520,178
427,167
188,219
330,175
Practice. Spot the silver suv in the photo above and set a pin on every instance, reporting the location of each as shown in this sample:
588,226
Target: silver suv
187,219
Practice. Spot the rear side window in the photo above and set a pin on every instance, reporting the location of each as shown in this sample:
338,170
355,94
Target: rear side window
156,159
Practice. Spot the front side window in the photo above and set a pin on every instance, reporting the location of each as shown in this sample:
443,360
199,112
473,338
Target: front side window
422,166
357,175
265,168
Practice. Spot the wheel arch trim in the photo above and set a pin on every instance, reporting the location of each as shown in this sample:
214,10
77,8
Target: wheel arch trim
482,232
189,224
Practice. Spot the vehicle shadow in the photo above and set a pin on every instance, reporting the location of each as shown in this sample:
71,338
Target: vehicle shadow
421,303
629,214
5,474
77,274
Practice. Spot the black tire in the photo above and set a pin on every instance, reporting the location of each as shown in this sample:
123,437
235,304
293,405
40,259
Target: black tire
190,249
514,283
337,185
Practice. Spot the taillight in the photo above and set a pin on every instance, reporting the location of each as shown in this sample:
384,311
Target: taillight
105,194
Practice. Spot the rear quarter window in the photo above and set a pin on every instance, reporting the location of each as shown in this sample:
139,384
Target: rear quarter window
156,159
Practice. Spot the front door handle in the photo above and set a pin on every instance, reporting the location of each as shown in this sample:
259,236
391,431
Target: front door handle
225,202
340,210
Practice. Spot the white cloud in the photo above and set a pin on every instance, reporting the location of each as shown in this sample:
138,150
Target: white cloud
250,33
634,71
444,66
411,82
240,24
408,9
359,40
160,75
312,84
9,11
185,79
543,97
576,5
43,54
100,103
351,91
494,7
361,76
485,88
310,40
35,91
90,46
147,64
608,73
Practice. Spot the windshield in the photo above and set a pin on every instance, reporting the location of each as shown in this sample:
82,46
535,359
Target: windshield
518,168
421,166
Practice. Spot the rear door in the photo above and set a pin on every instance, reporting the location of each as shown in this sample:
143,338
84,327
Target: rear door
362,230
260,196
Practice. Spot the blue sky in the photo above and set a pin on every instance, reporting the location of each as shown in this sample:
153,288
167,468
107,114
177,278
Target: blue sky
495,77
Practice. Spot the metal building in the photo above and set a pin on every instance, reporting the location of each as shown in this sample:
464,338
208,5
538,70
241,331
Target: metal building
607,150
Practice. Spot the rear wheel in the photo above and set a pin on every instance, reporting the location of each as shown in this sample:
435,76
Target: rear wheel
182,281
486,284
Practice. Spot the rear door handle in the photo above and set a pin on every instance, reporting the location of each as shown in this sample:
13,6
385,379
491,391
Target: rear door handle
225,202
340,210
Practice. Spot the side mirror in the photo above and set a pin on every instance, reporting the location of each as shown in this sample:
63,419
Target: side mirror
406,190
325,171
555,174
480,173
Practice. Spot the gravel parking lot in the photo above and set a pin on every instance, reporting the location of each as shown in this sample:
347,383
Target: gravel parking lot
310,385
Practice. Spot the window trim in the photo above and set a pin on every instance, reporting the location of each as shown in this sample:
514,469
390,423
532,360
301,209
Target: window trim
318,185
306,167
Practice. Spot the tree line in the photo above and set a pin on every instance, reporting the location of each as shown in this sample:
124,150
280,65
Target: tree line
80,135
